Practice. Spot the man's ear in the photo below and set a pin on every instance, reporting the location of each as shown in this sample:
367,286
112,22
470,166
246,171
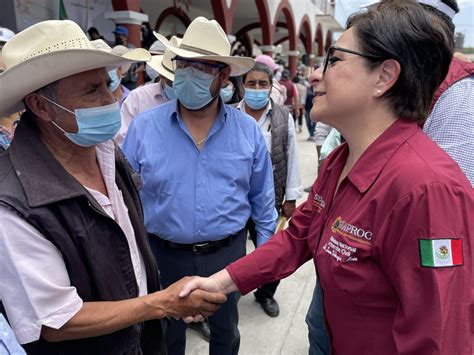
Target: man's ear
388,74
225,73
40,107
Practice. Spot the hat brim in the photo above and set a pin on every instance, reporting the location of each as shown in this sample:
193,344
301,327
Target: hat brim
155,64
39,71
238,65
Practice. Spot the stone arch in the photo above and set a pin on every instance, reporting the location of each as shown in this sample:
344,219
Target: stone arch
172,11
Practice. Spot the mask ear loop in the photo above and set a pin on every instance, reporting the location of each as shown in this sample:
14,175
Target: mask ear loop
54,103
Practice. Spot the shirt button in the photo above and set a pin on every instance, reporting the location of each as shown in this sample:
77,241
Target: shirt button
199,231
199,208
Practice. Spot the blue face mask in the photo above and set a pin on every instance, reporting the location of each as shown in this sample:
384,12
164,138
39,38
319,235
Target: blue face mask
115,80
227,93
192,87
169,92
95,125
256,99
152,73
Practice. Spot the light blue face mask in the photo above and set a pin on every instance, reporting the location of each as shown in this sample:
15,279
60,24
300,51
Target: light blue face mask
152,73
256,99
192,87
95,125
115,80
227,93
169,92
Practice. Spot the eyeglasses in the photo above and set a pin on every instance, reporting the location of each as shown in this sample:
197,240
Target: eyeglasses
208,68
331,59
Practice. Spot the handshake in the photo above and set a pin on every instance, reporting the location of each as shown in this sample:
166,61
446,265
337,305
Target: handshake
192,298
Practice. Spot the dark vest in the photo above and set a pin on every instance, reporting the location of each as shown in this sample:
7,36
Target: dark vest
37,188
458,70
279,131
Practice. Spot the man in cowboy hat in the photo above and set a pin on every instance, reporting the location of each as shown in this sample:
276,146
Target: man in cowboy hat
206,170
151,95
78,275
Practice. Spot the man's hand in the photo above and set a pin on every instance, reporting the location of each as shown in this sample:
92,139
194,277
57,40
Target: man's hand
288,208
220,282
195,303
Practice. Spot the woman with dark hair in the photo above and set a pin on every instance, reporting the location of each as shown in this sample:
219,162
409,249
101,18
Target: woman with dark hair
389,222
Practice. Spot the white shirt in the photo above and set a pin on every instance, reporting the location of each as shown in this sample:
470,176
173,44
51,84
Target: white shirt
34,285
139,100
293,180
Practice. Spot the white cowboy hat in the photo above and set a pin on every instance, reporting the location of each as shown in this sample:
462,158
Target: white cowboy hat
49,51
205,39
162,63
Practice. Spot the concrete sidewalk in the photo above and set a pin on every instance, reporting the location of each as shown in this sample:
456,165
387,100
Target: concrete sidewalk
287,334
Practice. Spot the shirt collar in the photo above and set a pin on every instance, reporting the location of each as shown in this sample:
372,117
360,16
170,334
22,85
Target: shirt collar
158,90
268,109
376,156
220,119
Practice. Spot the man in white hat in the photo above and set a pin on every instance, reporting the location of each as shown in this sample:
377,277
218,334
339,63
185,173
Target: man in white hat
206,170
78,275
151,95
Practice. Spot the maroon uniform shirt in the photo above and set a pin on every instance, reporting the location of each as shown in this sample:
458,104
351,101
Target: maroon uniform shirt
380,297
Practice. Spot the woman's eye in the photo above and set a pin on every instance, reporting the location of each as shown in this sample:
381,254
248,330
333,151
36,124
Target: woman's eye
333,60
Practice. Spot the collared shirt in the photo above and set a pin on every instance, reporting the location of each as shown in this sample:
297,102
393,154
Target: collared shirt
125,93
139,100
192,196
34,284
451,124
365,242
293,181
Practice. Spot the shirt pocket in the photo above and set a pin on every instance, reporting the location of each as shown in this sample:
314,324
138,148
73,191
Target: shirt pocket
227,173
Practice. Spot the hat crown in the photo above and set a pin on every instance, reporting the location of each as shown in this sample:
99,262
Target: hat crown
43,38
168,54
195,38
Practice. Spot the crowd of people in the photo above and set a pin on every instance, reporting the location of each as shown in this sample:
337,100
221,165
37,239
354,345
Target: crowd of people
126,207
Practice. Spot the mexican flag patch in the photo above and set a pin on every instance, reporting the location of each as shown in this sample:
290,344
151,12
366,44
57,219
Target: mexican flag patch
440,252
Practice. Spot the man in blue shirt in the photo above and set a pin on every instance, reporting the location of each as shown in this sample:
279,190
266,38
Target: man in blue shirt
205,169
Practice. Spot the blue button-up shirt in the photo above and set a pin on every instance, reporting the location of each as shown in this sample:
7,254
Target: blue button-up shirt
192,196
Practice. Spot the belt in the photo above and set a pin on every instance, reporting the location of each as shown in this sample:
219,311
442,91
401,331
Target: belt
201,248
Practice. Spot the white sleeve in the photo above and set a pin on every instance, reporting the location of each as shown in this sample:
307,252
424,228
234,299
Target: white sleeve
34,287
293,180
128,111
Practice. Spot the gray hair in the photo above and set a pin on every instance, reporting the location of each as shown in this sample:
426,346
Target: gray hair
261,68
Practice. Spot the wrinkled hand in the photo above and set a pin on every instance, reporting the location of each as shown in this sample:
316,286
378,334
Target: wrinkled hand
198,303
288,208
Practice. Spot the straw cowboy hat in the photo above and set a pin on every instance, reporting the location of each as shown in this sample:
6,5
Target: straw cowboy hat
49,51
205,39
162,63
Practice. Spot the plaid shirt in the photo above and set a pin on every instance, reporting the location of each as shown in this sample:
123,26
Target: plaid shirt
451,124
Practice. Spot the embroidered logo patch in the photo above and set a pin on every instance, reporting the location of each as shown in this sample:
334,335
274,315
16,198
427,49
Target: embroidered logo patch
441,252
318,202
351,231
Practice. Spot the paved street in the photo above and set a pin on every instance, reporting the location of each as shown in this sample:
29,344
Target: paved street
286,334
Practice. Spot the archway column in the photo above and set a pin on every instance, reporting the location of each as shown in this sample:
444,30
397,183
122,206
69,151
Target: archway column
293,61
127,13
267,49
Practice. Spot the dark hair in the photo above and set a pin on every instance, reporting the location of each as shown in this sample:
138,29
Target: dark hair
92,30
296,79
422,44
447,20
261,68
